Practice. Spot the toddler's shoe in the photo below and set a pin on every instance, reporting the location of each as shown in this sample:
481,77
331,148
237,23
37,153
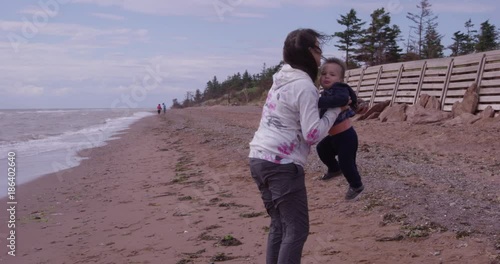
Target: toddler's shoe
353,192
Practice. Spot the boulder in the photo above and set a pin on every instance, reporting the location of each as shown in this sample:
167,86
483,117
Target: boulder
427,101
423,99
395,113
363,106
488,112
465,118
377,108
417,114
433,103
469,102
373,115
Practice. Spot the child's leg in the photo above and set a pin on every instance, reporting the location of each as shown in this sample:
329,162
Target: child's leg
348,146
327,150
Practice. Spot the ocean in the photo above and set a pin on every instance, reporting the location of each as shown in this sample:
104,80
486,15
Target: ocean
47,140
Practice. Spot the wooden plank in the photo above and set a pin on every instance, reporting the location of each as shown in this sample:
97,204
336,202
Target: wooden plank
468,59
436,72
494,90
373,70
489,98
431,93
447,108
446,83
409,80
434,79
376,86
413,65
459,70
405,93
391,67
408,100
494,82
492,57
370,75
455,85
434,86
491,74
384,93
436,63
480,71
410,74
366,89
495,107
387,81
397,84
386,87
361,78
382,99
393,74
492,66
455,93
368,82
469,76
408,87
452,100
365,96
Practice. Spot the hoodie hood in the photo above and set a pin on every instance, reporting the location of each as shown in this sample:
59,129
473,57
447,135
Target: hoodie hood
287,74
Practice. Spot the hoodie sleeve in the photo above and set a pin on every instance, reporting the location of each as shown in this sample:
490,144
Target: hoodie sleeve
313,127
337,96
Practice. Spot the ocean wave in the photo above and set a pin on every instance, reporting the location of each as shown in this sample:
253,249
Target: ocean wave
72,141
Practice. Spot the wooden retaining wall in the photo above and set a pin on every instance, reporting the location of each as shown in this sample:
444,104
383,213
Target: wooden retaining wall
445,78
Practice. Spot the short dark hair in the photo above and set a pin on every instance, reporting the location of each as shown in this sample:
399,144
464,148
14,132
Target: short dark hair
337,61
296,50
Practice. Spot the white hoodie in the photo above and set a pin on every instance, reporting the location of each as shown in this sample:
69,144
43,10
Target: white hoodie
290,121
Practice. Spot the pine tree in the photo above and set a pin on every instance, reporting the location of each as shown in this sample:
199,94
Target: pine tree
432,47
393,51
487,38
379,40
420,19
471,38
459,44
197,96
350,37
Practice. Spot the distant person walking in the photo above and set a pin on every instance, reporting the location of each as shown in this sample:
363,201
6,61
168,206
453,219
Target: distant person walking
289,125
164,108
159,108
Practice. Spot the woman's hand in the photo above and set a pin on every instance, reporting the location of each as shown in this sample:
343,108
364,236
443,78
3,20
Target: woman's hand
345,107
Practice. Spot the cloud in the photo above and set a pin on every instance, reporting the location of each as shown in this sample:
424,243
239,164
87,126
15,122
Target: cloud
28,90
108,16
206,8
248,15
22,32
61,91
465,7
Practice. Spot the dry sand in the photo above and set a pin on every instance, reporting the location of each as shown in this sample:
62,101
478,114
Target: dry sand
176,185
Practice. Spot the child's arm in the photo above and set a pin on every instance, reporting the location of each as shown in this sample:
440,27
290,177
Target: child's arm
335,97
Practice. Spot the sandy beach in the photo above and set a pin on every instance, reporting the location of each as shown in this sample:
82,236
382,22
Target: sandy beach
176,188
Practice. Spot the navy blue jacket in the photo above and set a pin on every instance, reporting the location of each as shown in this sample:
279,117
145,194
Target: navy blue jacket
337,96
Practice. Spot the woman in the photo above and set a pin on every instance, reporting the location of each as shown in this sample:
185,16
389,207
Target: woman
289,125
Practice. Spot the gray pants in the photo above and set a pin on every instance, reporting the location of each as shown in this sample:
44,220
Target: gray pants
284,194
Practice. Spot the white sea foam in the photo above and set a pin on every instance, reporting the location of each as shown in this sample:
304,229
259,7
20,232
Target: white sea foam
48,154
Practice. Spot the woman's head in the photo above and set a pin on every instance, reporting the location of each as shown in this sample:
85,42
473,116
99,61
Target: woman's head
332,70
302,50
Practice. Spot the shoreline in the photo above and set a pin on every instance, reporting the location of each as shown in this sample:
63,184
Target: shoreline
65,155
173,186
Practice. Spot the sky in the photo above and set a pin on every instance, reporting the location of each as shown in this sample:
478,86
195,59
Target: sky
137,54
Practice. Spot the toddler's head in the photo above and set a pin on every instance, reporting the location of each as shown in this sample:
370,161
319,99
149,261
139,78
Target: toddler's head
332,71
